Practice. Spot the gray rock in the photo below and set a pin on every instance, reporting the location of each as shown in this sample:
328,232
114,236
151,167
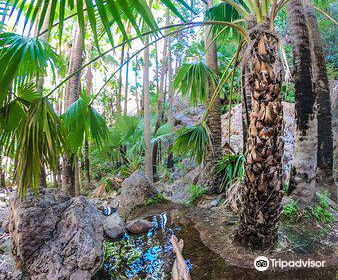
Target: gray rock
136,191
114,226
55,236
3,214
5,226
8,270
214,203
139,226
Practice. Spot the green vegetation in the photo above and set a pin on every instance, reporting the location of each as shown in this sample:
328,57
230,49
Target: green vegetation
158,198
196,192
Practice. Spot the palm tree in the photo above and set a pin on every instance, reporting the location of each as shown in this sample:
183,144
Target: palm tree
148,165
71,95
119,92
213,120
262,193
164,68
125,109
322,91
303,172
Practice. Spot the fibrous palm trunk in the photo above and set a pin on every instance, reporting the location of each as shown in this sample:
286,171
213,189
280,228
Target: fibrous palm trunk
213,120
322,91
72,94
148,166
262,192
303,171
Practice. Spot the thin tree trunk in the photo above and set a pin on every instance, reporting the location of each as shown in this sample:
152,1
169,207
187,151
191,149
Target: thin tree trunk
170,161
72,94
44,37
119,92
322,91
126,87
213,120
303,171
136,88
160,98
2,173
89,85
148,166
262,192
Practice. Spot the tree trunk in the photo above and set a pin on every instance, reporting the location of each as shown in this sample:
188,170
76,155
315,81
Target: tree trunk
119,93
2,173
262,192
148,166
159,120
322,91
213,121
125,111
136,88
72,94
303,171
170,161
89,85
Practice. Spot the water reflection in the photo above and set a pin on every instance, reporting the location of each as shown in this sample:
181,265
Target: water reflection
147,256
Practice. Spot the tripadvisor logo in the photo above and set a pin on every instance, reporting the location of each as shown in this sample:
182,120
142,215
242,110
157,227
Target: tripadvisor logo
262,263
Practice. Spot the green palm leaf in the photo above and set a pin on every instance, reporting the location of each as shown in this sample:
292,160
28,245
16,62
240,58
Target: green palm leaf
22,56
194,79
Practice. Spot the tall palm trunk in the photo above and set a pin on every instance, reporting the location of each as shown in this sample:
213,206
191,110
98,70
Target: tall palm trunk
148,166
44,37
262,192
170,162
304,164
125,109
119,92
213,120
322,91
89,85
136,87
164,69
72,94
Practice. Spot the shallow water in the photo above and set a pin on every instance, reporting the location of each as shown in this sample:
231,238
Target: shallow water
150,256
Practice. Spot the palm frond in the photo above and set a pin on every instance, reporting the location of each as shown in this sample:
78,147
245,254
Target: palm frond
22,56
192,141
230,168
80,119
40,139
194,79
106,10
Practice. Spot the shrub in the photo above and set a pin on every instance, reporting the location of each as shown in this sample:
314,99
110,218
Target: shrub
196,192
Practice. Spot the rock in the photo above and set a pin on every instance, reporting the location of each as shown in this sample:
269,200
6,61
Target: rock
55,236
5,226
177,192
214,203
3,214
8,270
136,191
114,226
139,226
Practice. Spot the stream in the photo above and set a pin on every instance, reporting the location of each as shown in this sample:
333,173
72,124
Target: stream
150,256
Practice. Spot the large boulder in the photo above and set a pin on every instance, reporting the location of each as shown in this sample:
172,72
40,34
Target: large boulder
55,236
136,191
